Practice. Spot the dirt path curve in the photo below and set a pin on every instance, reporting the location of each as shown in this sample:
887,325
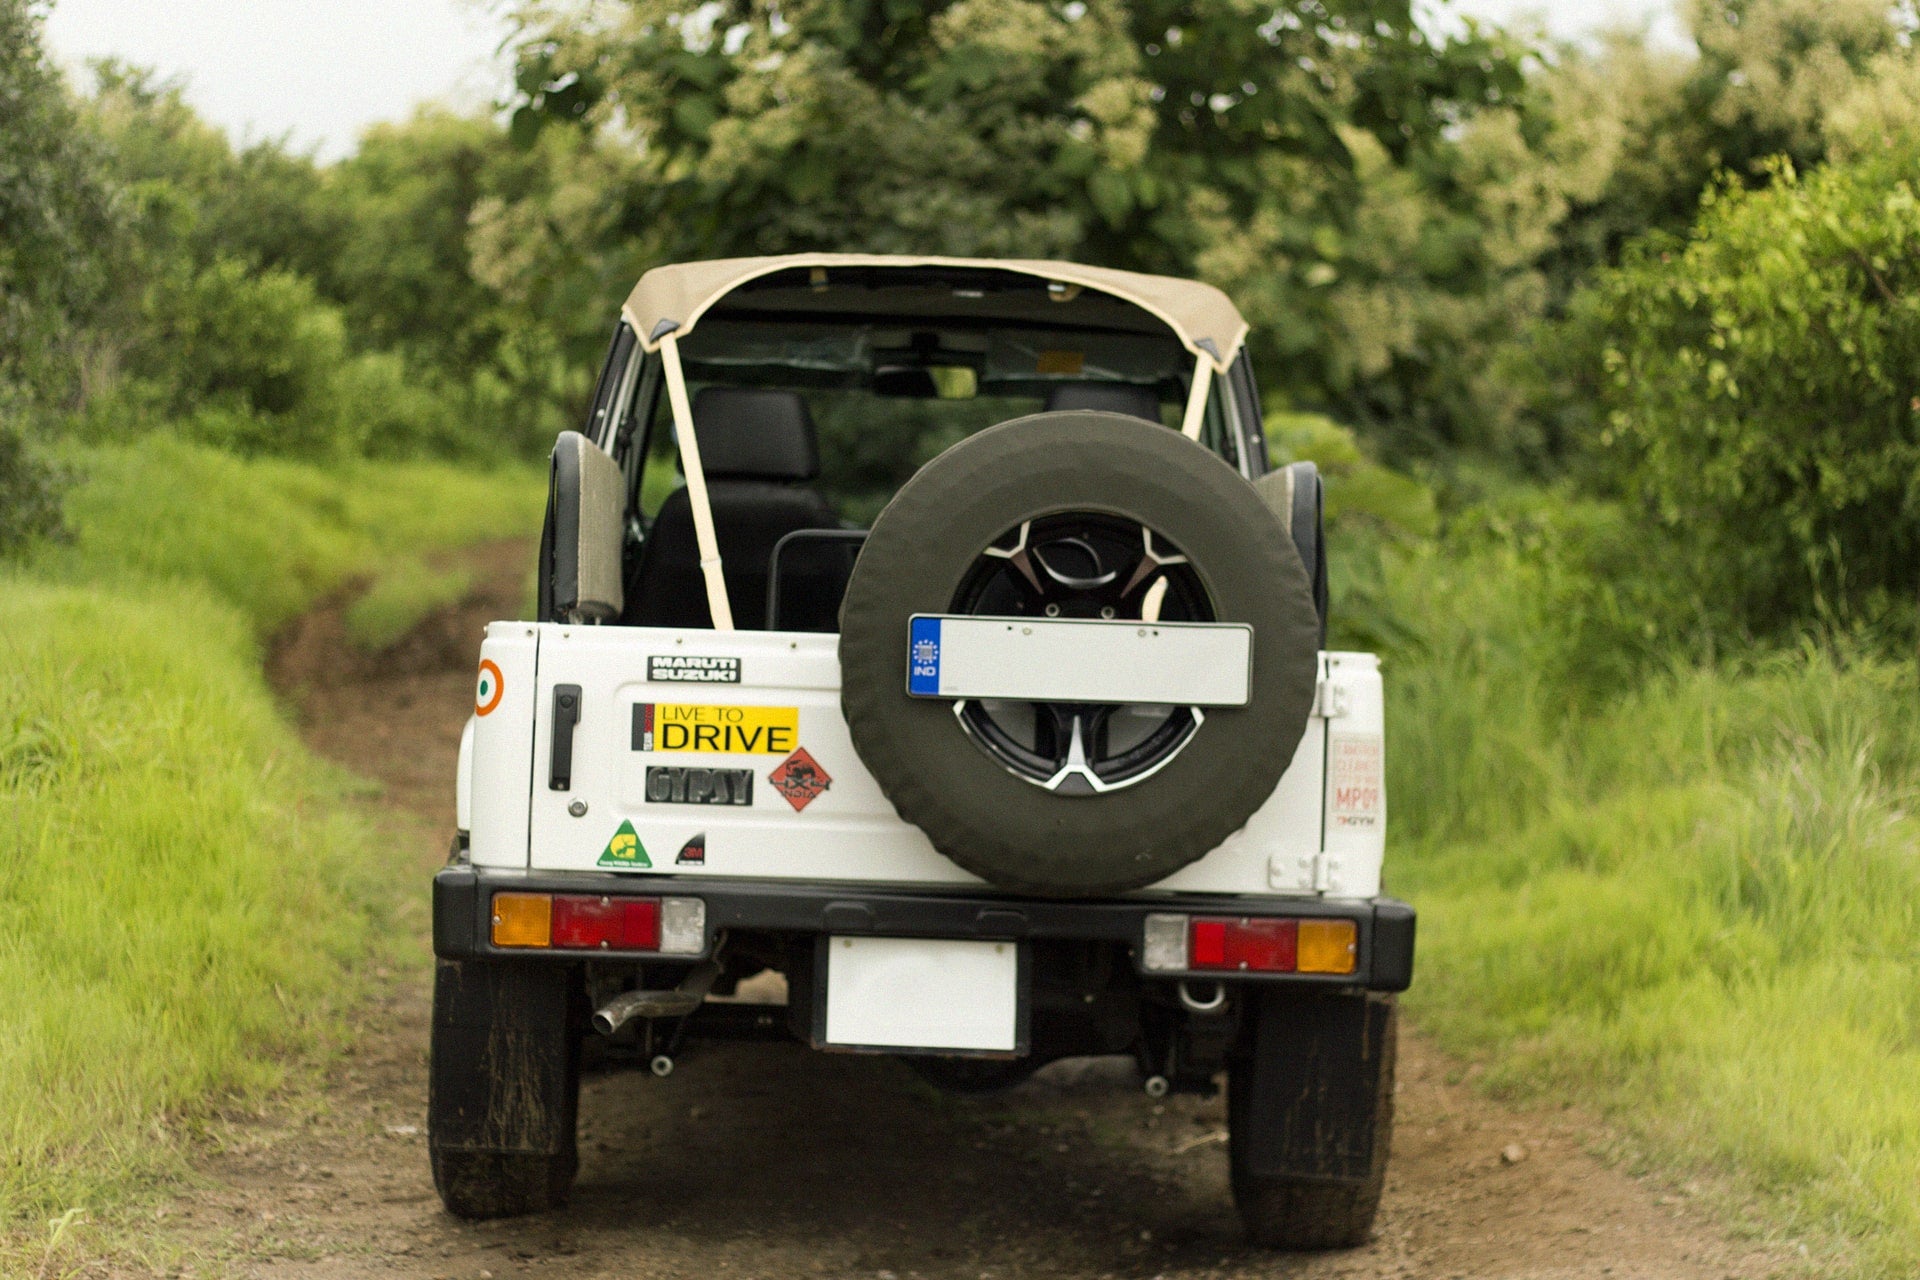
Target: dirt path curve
756,1160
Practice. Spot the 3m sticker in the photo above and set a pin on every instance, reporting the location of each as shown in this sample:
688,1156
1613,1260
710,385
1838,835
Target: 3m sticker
676,726
625,852
1355,780
1069,363
800,779
923,657
684,669
486,693
694,852
678,784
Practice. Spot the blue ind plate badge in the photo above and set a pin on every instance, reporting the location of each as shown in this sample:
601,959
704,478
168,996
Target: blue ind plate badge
923,657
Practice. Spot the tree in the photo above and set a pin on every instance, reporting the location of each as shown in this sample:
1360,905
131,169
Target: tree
1760,390
1235,140
56,212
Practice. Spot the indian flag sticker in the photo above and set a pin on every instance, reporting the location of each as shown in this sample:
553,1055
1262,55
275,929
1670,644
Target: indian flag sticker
486,694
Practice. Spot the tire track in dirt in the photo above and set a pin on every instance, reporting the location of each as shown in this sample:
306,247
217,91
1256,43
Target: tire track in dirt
769,1160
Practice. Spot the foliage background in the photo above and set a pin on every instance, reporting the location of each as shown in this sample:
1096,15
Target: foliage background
1610,354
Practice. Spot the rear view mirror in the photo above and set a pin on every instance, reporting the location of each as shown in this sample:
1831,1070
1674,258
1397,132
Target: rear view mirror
918,382
904,383
581,544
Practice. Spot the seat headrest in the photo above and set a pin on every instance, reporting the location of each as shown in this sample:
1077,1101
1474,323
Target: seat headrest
1108,397
747,433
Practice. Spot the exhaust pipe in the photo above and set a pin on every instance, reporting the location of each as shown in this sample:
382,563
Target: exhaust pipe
677,1003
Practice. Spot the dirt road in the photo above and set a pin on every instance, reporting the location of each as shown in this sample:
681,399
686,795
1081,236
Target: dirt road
754,1160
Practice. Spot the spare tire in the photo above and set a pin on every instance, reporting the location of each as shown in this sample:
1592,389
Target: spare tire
1087,477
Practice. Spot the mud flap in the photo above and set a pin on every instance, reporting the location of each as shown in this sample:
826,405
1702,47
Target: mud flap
1311,1087
504,1065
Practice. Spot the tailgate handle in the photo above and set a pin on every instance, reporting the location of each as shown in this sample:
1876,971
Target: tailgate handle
566,715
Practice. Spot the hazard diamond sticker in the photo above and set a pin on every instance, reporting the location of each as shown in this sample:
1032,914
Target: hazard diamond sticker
625,852
800,779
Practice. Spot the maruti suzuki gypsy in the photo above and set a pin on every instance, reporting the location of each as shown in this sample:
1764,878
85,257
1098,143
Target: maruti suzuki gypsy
935,635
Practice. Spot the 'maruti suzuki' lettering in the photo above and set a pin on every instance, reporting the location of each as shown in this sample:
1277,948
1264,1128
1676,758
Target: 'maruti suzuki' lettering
731,730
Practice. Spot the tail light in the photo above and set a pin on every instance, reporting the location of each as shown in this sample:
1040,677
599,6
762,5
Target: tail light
628,924
597,922
1249,944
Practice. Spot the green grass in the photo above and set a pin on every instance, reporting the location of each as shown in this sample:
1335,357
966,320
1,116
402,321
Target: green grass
1695,906
269,536
184,890
399,599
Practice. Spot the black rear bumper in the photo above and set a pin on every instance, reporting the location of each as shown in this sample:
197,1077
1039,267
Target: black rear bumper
463,896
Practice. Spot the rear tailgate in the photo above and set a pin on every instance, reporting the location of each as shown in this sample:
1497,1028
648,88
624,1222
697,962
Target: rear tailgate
698,753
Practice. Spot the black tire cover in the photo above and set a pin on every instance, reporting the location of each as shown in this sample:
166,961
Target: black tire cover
1001,827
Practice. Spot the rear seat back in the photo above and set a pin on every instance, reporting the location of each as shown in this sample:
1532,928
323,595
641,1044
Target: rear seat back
759,451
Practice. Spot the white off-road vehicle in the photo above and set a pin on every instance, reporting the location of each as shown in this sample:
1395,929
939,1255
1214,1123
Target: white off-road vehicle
1000,727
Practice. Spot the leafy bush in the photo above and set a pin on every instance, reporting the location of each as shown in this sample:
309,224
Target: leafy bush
1761,396
29,494
55,214
247,358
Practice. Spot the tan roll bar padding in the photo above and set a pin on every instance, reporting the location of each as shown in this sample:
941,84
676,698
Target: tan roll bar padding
702,506
671,299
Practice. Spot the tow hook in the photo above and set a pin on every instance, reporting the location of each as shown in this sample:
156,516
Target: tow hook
677,1003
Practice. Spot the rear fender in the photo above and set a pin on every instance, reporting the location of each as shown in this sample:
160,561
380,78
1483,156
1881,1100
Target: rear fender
501,775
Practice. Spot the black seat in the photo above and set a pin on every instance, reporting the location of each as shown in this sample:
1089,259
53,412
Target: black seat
758,451
1109,397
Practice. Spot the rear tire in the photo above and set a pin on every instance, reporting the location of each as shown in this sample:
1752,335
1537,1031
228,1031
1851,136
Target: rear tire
1310,1118
492,1184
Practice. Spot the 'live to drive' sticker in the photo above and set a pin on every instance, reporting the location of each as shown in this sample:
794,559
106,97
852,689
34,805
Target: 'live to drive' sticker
720,730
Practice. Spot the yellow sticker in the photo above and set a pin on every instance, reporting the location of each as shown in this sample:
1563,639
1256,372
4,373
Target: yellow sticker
680,726
1058,362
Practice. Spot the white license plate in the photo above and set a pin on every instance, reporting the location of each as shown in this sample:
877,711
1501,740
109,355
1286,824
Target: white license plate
1182,664
923,993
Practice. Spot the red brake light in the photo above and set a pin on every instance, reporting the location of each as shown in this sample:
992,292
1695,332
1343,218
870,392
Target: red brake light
627,924
1261,946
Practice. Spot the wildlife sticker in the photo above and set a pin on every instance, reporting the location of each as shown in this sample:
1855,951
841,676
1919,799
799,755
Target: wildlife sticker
685,669
800,779
625,852
694,852
486,694
679,726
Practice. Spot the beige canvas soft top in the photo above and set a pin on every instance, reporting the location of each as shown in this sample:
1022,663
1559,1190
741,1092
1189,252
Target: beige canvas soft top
1201,316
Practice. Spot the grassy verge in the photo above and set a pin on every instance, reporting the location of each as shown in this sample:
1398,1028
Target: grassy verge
399,599
182,886
1694,905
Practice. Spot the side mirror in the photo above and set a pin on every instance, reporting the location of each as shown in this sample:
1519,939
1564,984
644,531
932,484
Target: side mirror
581,578
1294,494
